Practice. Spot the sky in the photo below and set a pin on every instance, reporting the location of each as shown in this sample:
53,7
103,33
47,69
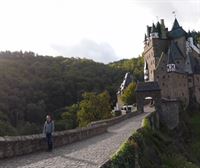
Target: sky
102,30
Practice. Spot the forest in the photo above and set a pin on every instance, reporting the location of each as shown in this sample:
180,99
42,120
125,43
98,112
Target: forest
33,86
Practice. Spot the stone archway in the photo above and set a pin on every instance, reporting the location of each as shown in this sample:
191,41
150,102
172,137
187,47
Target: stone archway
149,89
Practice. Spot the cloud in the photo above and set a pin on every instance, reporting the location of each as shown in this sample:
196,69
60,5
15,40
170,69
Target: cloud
187,11
100,52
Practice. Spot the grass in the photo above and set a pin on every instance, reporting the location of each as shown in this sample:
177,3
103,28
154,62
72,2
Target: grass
162,148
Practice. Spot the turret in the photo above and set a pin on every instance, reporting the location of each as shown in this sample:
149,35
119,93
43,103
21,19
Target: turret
148,31
158,27
154,32
176,31
145,39
163,29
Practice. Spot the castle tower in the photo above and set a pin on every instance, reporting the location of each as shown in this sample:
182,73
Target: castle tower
155,43
165,60
154,32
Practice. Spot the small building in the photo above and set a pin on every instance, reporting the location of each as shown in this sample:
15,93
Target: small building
128,78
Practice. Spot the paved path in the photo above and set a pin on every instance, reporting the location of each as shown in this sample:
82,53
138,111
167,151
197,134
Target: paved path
89,153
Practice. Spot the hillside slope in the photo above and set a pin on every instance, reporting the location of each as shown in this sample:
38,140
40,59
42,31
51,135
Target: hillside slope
33,86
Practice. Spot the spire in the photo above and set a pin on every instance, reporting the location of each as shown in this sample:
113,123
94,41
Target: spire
176,31
158,27
148,31
145,37
175,25
189,34
153,28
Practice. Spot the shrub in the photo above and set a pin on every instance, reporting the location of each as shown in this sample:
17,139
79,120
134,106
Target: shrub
125,156
6,129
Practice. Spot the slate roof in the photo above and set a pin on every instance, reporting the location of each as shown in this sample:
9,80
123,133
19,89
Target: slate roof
160,60
153,28
126,81
174,53
175,25
170,59
147,86
176,31
148,31
158,27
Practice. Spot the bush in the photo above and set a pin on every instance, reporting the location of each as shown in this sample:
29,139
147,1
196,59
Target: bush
94,107
117,113
6,129
125,156
27,128
61,125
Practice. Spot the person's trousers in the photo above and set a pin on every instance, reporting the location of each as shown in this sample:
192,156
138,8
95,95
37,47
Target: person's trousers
49,141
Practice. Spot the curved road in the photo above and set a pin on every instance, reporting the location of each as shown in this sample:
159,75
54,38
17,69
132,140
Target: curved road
90,153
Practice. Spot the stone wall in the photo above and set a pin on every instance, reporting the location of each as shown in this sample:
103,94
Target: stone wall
151,122
19,145
114,120
170,113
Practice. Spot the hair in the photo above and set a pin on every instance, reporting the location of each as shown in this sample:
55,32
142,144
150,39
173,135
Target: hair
48,115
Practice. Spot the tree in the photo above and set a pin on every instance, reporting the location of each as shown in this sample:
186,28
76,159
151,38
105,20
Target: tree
7,129
70,116
128,97
134,66
33,86
94,107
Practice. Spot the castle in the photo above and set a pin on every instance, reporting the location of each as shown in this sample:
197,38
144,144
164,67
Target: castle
172,59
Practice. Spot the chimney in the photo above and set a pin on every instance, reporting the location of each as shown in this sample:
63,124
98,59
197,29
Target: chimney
162,21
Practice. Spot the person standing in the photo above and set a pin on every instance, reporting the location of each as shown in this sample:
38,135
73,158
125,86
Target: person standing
48,130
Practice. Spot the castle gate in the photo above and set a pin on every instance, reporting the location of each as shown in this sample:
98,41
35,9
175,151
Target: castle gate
149,89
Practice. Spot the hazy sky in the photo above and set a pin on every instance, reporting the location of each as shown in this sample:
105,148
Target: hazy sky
102,30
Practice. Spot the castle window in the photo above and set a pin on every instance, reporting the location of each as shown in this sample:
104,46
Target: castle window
177,62
189,80
163,84
168,76
182,94
163,76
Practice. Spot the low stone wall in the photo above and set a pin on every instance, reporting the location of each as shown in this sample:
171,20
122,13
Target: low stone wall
19,145
114,120
151,121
